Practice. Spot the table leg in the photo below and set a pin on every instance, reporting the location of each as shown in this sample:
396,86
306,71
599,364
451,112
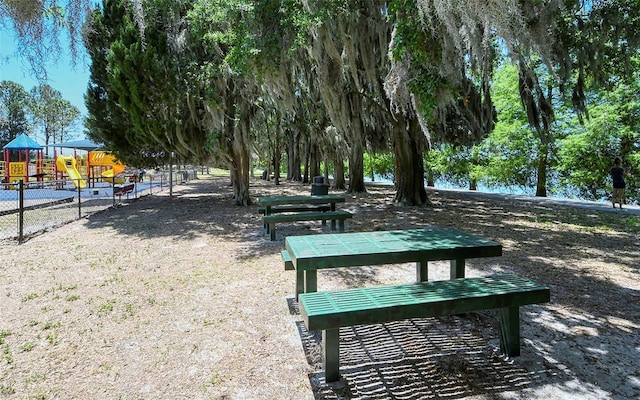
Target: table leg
457,268
331,356
267,211
510,331
422,271
299,282
272,231
311,281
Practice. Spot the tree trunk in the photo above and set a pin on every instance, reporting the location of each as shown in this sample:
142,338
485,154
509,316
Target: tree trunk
228,135
314,161
295,173
356,155
339,182
307,163
237,148
356,169
430,179
409,167
277,154
541,186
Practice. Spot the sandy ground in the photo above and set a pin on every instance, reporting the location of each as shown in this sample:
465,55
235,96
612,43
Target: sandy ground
185,297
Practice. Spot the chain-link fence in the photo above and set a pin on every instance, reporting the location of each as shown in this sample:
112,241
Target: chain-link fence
30,207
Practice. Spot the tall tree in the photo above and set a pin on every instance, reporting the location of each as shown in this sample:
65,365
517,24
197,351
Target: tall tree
557,46
52,114
225,27
107,122
142,77
349,47
14,111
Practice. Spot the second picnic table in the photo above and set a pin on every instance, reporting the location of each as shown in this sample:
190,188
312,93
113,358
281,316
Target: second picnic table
269,202
304,208
309,253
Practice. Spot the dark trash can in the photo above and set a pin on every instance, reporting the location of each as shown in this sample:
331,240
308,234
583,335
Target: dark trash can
319,187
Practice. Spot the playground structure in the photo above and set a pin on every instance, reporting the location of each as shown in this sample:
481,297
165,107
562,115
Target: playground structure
24,161
67,164
102,159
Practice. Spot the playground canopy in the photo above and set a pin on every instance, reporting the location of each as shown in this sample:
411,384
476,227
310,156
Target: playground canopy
22,142
83,144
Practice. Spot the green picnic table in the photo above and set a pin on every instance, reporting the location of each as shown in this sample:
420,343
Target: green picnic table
268,202
302,208
309,253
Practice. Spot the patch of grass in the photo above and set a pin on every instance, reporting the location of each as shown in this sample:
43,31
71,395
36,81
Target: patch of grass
52,337
7,388
591,221
218,172
39,395
29,296
73,297
6,354
27,346
106,307
128,308
51,325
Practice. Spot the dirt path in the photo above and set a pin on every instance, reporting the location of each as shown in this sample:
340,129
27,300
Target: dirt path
185,297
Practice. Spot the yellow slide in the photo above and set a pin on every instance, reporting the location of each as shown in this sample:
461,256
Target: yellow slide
67,164
110,174
105,159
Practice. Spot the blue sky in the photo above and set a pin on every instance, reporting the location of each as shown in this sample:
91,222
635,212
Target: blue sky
71,81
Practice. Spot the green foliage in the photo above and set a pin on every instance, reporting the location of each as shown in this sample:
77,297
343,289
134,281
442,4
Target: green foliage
225,26
379,165
455,165
413,42
14,109
586,155
52,114
143,100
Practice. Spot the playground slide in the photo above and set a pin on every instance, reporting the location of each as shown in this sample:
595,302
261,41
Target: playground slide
67,164
110,174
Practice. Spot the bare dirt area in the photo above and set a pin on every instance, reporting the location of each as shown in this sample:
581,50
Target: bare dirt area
185,297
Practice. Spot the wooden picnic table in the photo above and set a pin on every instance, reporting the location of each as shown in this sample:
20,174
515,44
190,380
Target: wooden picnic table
309,253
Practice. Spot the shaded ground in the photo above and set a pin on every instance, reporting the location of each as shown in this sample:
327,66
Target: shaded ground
185,297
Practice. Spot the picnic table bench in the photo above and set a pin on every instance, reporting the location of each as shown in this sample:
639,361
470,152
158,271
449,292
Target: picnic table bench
333,216
310,253
121,190
293,208
329,311
301,208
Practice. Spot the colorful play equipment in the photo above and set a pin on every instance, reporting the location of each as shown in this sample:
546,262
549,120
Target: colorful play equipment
67,165
115,169
96,164
23,159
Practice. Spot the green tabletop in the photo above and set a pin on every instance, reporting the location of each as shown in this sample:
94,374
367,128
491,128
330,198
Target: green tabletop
317,199
310,253
387,247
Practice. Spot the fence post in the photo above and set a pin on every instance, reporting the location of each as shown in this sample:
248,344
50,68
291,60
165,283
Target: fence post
21,211
79,201
171,176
